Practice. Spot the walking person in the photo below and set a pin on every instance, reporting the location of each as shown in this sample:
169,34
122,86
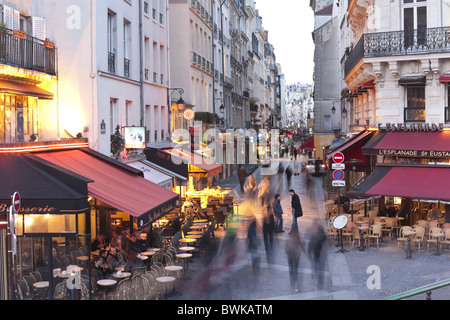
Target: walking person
296,210
278,212
294,246
288,175
242,174
316,252
252,245
268,229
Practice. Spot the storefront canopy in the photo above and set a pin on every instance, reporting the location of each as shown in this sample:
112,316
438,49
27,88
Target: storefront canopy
118,185
434,144
152,174
309,143
24,89
198,165
431,183
351,149
44,188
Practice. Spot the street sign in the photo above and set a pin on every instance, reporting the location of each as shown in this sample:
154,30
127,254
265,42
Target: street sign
338,183
338,157
338,166
338,175
16,202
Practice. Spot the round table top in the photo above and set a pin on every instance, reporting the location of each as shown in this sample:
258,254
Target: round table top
188,240
183,255
122,275
194,232
64,274
362,228
165,279
194,236
41,284
173,268
186,248
106,282
200,220
140,256
408,233
148,253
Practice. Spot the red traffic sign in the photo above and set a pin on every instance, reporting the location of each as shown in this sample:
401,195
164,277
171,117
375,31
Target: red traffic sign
338,157
338,175
16,202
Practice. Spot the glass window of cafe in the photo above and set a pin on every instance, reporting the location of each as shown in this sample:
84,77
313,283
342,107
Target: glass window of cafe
62,234
18,118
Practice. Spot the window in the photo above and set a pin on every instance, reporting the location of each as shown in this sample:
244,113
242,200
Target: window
126,47
415,104
112,32
113,115
415,22
327,123
447,109
446,13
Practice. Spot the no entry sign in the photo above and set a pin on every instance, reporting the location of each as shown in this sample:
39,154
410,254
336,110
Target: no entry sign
16,202
338,157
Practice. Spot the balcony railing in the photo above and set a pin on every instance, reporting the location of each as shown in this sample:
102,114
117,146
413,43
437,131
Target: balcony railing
399,43
126,67
111,62
23,51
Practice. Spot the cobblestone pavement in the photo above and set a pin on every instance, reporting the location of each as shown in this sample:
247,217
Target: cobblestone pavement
347,276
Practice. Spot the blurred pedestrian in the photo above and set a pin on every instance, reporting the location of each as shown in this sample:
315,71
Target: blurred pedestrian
242,174
268,229
296,210
253,245
250,187
288,172
280,174
294,246
264,190
278,212
316,252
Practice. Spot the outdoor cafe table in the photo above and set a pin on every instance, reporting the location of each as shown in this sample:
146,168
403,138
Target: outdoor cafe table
122,275
361,240
187,240
106,285
408,250
185,257
186,249
437,236
41,288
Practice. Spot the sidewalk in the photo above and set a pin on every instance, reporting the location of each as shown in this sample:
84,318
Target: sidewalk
347,276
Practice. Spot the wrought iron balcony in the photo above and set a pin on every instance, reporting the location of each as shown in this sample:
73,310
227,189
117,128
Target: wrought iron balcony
20,50
399,43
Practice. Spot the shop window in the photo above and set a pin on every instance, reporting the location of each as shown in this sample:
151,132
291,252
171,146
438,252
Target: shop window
415,104
18,118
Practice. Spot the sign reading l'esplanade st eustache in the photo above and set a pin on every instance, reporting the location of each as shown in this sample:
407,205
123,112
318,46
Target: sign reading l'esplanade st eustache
411,127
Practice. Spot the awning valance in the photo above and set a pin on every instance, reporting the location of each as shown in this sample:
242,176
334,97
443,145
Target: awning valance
11,87
444,78
352,148
420,182
118,185
412,80
44,188
428,144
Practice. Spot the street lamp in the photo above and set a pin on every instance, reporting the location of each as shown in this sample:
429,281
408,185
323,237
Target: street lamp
222,109
344,113
181,105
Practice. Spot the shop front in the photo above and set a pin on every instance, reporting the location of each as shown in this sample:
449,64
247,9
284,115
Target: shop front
50,224
412,170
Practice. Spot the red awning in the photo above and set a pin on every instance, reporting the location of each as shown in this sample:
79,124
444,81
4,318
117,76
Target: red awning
444,78
352,149
401,142
368,85
24,89
428,183
309,143
116,184
198,165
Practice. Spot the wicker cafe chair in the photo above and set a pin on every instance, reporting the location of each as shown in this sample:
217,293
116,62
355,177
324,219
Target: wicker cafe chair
37,275
432,239
356,237
23,290
121,292
375,233
401,238
419,236
61,290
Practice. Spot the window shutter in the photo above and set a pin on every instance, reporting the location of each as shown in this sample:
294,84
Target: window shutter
39,28
15,19
7,17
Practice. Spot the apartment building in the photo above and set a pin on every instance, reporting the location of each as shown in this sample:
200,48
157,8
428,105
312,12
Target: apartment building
398,61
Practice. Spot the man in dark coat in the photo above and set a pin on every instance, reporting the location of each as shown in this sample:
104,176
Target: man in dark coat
242,175
296,210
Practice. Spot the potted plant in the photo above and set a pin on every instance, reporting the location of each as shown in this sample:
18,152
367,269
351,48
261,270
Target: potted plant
117,143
